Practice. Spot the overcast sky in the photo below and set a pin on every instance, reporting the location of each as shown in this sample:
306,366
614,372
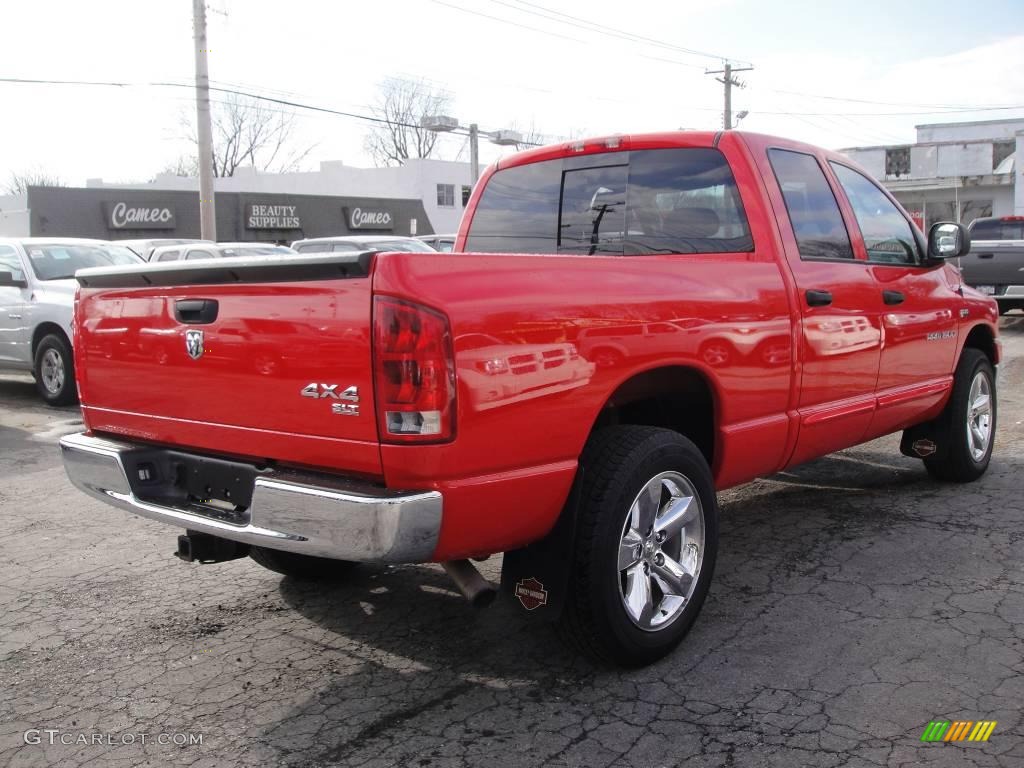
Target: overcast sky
505,63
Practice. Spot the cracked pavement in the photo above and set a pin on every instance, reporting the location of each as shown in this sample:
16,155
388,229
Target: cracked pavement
855,600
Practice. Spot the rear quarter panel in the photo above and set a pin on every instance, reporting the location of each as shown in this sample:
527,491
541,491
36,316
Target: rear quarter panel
724,315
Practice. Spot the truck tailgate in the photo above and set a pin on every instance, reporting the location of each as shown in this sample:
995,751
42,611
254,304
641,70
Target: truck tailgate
268,358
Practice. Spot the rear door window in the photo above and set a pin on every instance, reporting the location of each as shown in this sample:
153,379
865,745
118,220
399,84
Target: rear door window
685,201
169,256
811,205
618,203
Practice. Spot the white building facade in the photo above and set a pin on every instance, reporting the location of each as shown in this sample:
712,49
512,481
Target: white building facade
954,172
444,186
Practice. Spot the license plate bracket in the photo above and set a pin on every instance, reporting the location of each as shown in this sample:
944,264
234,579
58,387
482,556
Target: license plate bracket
170,474
208,480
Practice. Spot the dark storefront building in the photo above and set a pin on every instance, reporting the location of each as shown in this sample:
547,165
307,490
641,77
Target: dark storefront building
120,214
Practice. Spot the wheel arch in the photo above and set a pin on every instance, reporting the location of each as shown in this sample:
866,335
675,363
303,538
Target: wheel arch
682,398
638,399
45,329
983,338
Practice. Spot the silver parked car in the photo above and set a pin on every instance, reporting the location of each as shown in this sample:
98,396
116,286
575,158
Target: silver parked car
362,243
145,248
216,251
37,297
443,243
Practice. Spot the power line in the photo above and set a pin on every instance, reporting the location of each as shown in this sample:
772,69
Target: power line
643,38
233,91
601,29
550,33
382,120
881,103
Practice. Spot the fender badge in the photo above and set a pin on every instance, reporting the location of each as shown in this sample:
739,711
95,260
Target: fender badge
531,593
924,447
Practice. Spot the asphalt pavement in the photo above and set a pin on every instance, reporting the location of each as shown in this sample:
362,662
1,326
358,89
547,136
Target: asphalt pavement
855,601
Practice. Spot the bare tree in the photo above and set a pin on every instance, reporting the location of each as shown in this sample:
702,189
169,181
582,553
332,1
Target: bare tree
185,165
246,131
20,181
400,105
532,137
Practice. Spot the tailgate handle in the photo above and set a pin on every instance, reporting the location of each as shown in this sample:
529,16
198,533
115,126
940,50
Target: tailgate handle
986,255
893,297
195,311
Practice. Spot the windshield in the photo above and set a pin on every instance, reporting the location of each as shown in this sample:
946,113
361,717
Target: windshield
997,229
256,250
406,246
56,261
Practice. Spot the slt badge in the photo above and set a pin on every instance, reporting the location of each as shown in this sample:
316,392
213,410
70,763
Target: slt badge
194,344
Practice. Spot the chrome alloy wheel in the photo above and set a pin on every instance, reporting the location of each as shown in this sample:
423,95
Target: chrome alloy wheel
979,416
52,371
661,551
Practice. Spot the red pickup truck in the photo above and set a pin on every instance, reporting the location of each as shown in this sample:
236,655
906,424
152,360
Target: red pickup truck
628,325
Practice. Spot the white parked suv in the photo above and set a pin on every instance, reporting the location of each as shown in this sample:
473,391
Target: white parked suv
37,297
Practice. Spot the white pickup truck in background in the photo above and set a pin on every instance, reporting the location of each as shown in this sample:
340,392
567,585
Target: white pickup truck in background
995,265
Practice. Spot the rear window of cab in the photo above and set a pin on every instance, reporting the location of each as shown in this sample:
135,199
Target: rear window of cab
656,201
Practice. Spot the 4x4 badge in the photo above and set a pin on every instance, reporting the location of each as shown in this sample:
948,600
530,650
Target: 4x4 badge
194,344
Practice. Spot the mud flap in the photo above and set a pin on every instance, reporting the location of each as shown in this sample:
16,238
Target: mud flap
536,577
928,440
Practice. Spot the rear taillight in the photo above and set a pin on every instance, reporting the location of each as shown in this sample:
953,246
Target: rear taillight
414,372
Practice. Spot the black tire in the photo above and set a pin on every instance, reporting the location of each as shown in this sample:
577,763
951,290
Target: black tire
958,464
303,567
617,464
55,388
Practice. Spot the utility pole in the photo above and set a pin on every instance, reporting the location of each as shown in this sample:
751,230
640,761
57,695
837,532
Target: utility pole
474,151
727,79
207,210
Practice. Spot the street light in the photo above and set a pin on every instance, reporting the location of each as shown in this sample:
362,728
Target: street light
739,116
447,124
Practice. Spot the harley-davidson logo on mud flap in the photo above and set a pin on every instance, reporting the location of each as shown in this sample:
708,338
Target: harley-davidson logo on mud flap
531,593
924,448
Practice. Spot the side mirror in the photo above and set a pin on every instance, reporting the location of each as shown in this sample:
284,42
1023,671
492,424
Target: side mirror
600,194
7,281
947,240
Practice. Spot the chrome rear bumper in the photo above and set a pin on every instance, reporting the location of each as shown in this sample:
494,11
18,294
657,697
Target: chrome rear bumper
311,514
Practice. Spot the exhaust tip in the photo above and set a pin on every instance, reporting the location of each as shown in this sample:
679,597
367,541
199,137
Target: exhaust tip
474,587
484,597
195,547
